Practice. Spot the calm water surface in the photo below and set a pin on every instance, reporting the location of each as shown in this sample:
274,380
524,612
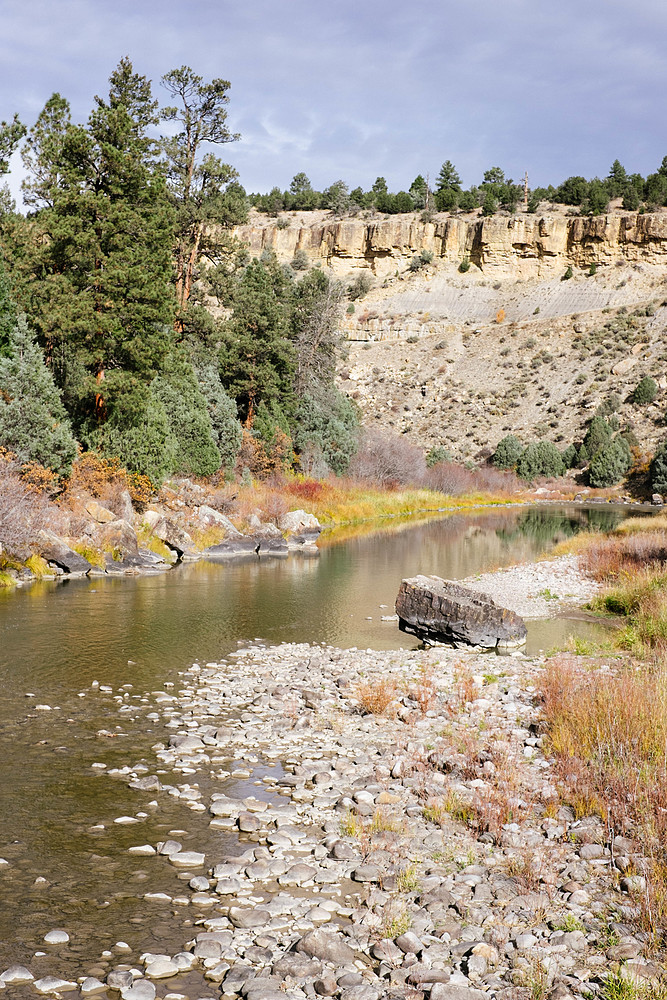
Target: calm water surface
57,639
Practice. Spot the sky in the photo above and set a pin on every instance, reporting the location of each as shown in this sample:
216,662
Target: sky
356,89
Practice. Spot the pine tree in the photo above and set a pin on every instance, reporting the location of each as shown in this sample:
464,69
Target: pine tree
33,422
257,360
98,282
205,190
193,447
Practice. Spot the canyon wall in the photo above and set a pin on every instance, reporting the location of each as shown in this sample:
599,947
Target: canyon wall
527,246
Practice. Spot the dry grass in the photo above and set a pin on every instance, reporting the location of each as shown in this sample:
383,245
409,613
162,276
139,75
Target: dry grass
423,690
376,695
609,735
92,553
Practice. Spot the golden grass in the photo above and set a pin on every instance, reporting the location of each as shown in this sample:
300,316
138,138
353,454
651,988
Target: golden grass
39,566
345,502
94,555
608,732
376,695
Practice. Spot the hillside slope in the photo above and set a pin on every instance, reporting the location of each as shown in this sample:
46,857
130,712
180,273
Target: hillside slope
461,359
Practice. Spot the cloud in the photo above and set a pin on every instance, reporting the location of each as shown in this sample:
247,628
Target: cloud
357,90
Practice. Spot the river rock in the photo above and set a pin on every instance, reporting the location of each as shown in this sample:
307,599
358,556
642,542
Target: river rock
299,522
439,610
162,968
57,551
172,536
327,945
52,984
16,974
207,516
141,990
232,548
56,937
91,986
187,859
120,537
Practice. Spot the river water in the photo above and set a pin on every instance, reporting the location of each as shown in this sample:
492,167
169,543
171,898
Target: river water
67,861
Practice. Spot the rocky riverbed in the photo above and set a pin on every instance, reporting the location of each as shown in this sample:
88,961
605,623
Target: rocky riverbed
407,837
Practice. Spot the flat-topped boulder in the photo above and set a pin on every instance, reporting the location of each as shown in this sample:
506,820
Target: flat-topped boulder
437,610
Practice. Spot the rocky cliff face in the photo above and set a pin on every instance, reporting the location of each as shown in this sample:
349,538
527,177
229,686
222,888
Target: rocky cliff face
528,246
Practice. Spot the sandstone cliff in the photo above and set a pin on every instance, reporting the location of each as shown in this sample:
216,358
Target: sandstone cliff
528,246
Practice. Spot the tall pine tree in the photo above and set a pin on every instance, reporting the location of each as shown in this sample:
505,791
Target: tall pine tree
98,284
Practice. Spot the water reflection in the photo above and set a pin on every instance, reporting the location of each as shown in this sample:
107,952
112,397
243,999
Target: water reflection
58,638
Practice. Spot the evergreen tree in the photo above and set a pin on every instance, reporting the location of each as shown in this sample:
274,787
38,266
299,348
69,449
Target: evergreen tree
204,189
225,426
336,198
419,192
11,134
490,205
610,463
97,284
645,391
8,314
572,191
33,422
659,470
193,446
42,154
257,360
326,429
448,178
597,435
302,196
508,452
541,458
617,180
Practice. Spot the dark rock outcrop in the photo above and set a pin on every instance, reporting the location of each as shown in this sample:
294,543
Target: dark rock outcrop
437,610
56,551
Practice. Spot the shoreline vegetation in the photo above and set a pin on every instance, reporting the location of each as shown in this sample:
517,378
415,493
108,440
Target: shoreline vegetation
103,512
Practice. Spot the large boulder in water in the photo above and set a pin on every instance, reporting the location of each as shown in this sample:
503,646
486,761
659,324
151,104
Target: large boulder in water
437,610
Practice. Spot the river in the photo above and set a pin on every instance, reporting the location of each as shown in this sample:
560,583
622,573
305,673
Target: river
81,659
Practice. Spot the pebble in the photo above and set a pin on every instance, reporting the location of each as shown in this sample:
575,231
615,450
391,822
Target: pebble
56,937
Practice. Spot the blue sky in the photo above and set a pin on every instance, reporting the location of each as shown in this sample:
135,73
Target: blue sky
354,89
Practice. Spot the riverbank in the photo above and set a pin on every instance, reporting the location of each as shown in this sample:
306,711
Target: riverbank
415,841
405,833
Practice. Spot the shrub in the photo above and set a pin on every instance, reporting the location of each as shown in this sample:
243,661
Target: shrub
420,260
568,273
23,510
387,460
464,265
508,452
659,471
645,391
436,454
300,261
360,286
375,696
610,463
541,458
